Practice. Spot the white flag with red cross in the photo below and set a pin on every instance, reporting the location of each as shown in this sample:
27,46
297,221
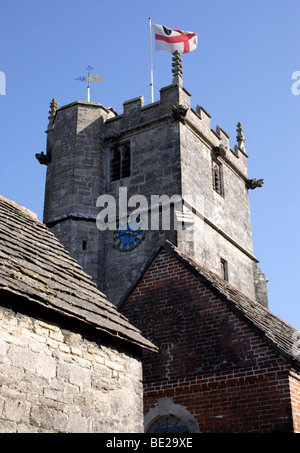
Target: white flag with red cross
171,40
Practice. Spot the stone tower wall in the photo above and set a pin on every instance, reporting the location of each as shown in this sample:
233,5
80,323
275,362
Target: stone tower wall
226,229
75,179
172,151
154,141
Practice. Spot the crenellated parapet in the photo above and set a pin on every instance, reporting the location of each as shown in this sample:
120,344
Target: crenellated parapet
175,105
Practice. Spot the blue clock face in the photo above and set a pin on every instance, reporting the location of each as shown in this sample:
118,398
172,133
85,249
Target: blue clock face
126,238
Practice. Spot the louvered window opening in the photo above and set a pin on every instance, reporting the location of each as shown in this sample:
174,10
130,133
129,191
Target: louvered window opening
120,163
217,177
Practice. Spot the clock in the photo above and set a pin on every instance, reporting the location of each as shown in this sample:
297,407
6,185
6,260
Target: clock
127,236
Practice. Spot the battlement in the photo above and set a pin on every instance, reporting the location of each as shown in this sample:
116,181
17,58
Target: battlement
174,104
136,114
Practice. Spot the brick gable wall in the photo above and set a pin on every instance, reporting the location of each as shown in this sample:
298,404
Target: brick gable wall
209,360
295,399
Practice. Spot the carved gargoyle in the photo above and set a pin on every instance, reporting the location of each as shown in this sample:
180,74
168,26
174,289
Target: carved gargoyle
253,183
179,111
219,151
43,158
113,137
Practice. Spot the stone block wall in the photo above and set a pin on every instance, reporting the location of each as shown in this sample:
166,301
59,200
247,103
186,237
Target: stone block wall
154,144
75,173
172,155
55,381
171,149
226,231
75,179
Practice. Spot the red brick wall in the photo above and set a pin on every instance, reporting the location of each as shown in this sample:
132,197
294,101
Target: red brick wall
209,360
295,398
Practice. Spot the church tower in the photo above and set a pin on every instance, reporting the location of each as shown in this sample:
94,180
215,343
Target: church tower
152,155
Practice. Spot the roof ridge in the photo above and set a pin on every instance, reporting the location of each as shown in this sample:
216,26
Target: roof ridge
55,281
21,208
276,332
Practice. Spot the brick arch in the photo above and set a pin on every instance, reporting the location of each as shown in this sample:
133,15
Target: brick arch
166,407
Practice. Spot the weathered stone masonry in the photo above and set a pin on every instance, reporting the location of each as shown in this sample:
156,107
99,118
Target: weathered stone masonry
55,380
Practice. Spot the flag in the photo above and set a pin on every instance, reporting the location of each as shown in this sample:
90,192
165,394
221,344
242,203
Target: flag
171,40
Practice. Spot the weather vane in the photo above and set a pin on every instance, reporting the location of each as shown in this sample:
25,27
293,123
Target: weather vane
89,79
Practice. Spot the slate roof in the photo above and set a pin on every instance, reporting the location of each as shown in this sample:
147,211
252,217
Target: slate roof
278,334
35,266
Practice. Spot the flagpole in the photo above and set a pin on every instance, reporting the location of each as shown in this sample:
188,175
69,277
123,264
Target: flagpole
88,80
151,69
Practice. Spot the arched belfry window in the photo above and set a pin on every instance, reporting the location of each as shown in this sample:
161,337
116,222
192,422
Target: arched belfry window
125,161
115,164
120,162
168,417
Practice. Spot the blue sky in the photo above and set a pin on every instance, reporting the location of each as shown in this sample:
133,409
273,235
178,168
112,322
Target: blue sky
241,71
